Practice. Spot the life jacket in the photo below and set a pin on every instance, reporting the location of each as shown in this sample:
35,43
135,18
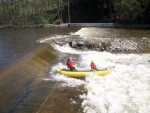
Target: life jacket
93,66
70,64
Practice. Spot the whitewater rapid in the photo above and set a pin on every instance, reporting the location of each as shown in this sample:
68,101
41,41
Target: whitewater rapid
125,90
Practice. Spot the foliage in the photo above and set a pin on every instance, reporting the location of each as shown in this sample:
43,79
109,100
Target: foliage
29,12
130,10
22,12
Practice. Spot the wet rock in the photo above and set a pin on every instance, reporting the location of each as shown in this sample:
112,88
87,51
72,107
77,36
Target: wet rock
73,44
88,45
102,44
59,43
124,45
80,43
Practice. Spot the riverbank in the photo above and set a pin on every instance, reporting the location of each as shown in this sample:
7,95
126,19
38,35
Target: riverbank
32,26
103,25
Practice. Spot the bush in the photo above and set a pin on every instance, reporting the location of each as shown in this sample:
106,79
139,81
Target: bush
44,20
58,21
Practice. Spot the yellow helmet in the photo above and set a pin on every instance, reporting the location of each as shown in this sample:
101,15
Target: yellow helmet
92,61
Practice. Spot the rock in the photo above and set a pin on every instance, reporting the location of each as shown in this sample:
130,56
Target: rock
88,45
102,44
80,43
59,43
124,45
73,44
96,45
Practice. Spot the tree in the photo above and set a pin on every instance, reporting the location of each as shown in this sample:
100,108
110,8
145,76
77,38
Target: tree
127,10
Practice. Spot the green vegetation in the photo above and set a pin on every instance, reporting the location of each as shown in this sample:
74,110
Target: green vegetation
133,11
35,12
30,12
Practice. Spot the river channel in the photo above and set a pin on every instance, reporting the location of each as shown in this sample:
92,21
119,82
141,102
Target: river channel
15,42
32,85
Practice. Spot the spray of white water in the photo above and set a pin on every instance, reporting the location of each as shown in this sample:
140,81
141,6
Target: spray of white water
125,90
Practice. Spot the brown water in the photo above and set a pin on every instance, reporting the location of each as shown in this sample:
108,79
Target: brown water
22,89
15,42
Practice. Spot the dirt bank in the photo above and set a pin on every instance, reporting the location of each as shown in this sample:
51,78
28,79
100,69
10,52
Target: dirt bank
20,81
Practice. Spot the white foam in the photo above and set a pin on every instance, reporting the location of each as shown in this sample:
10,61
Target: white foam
125,90
66,81
65,49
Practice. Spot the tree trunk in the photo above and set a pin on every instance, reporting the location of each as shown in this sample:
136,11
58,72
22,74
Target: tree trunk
69,11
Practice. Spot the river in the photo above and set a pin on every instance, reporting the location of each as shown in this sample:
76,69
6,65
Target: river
16,42
125,90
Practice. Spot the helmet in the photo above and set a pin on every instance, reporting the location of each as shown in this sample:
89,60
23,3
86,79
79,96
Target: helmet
92,61
69,58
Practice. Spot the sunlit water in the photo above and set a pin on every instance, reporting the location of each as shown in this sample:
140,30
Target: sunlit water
125,90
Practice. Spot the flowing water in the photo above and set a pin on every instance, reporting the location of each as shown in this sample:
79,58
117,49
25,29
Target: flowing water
15,43
125,90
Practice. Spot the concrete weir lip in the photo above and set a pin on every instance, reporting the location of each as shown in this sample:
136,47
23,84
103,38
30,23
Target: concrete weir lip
23,90
108,25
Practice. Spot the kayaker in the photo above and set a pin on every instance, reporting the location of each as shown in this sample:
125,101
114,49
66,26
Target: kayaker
71,64
93,65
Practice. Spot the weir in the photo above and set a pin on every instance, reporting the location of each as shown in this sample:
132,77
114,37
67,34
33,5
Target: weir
20,82
24,90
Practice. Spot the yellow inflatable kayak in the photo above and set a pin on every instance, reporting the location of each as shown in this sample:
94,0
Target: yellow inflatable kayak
84,72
